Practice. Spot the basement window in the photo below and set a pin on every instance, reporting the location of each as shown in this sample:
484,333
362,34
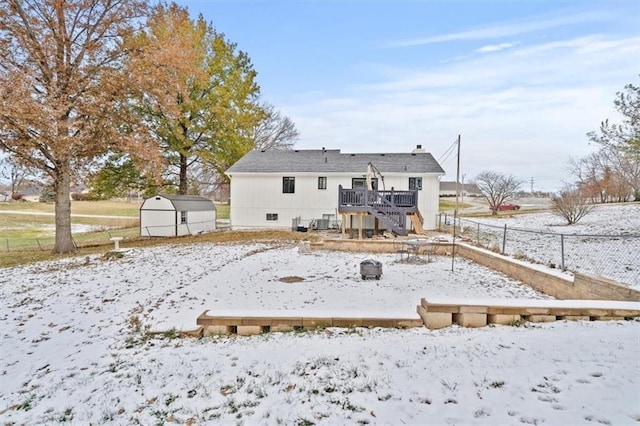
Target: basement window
272,216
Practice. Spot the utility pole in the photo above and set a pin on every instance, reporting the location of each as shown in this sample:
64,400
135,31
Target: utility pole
532,185
455,212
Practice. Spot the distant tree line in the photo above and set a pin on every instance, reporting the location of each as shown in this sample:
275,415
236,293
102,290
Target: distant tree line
612,173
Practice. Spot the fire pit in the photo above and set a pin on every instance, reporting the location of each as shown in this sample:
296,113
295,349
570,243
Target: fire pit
370,269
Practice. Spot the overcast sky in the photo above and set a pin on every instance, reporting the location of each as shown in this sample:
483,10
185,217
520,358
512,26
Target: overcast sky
522,82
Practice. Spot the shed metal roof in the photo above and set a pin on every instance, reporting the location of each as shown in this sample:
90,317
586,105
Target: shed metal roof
333,161
187,202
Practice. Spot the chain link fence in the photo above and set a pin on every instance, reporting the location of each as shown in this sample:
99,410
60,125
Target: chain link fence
83,239
616,257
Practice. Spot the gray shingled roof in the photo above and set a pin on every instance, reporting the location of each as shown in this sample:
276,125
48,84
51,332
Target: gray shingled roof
189,203
451,186
332,161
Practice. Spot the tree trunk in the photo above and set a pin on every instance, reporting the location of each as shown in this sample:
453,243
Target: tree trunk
183,184
62,188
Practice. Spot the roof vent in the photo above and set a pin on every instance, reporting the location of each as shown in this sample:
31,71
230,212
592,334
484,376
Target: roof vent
382,155
295,150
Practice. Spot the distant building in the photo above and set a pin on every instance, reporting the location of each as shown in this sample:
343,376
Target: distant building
448,189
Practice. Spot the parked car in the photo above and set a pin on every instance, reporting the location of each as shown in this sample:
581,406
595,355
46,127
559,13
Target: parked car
508,206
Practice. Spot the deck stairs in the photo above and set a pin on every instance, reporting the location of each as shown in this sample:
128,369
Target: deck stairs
416,220
393,217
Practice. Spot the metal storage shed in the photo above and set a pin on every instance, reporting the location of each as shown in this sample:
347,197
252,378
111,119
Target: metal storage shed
175,215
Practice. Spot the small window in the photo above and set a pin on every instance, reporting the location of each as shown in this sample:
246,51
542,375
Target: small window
361,183
322,182
272,216
288,185
415,183
183,217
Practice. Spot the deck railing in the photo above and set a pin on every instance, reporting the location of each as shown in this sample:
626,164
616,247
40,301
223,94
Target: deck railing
391,207
363,199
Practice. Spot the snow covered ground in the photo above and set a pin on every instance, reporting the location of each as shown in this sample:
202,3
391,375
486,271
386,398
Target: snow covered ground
615,255
76,346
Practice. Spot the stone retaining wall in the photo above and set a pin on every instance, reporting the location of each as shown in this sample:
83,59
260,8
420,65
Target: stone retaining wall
583,286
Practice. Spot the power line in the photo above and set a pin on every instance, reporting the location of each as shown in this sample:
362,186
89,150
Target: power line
448,152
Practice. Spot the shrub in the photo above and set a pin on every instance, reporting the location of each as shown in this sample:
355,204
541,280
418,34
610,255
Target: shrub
80,196
572,204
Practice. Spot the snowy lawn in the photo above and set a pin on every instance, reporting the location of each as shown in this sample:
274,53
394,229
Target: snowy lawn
616,256
76,345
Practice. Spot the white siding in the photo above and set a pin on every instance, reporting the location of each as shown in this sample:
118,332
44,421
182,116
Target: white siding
253,195
199,221
157,203
157,223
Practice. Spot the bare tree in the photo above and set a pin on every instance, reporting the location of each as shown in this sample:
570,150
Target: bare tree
275,131
620,142
496,188
572,204
15,173
63,91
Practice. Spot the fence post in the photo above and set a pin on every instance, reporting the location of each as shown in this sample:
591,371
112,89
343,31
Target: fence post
562,250
504,238
39,246
478,242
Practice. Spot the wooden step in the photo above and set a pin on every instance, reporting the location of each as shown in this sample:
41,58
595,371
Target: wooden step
281,321
417,223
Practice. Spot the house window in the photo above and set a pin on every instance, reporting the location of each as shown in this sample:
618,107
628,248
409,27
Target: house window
272,216
322,182
415,183
288,185
183,217
361,183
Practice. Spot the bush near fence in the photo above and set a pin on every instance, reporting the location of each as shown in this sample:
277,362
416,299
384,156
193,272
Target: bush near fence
616,257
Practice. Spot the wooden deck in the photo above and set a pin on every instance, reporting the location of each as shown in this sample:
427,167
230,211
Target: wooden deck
390,207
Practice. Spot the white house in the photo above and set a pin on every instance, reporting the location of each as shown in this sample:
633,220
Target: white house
176,215
275,188
449,189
